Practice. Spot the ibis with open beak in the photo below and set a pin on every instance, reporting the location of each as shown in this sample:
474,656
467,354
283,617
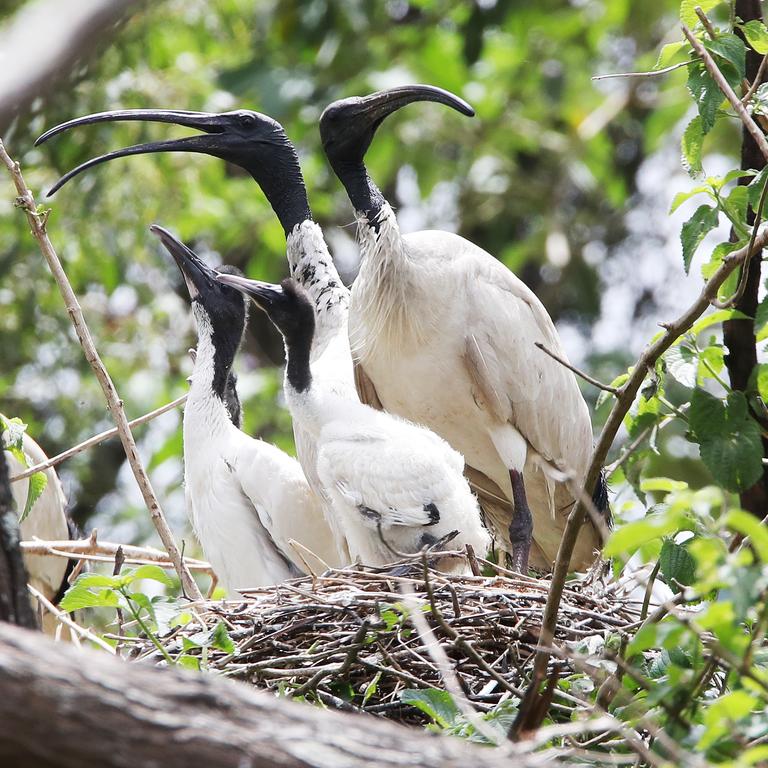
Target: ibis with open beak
260,146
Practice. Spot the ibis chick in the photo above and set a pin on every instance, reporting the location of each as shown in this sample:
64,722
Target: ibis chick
247,499
396,487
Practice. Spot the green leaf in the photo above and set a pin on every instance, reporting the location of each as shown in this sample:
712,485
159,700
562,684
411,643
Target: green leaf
220,638
755,187
371,687
757,35
668,52
13,435
37,483
748,525
682,363
731,48
705,93
153,572
730,439
436,704
720,316
79,596
760,100
761,320
706,417
688,10
703,221
691,147
676,564
721,714
604,394
761,380
88,580
630,537
664,484
189,662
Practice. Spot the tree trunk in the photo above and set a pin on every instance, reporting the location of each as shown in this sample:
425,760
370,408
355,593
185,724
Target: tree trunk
15,606
739,335
84,709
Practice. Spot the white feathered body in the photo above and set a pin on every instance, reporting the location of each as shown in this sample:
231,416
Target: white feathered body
246,498
395,487
446,334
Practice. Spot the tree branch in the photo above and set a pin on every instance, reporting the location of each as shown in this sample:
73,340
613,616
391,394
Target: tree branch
95,710
627,393
115,404
594,382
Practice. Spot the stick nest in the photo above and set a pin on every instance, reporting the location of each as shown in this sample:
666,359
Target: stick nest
345,638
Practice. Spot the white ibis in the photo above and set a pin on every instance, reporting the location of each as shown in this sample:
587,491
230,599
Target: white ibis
259,145
47,520
445,335
397,487
246,498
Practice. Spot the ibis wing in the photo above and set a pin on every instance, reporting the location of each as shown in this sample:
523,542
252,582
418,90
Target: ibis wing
514,379
390,483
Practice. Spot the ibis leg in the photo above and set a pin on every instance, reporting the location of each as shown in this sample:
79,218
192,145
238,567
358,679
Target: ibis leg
521,527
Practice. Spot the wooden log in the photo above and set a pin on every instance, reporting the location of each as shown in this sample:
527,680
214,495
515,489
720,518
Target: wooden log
84,709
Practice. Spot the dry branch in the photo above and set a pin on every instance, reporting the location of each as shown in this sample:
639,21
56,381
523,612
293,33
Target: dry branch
115,404
92,710
97,440
627,393
105,552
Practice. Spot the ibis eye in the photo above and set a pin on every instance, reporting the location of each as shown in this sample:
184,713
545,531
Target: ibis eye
247,120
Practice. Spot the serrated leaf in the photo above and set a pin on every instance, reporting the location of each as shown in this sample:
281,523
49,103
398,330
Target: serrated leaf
688,10
88,580
13,435
681,197
676,564
79,597
757,35
706,94
734,457
35,488
755,187
691,146
703,221
153,572
760,100
731,48
436,704
681,364
736,203
706,416
712,361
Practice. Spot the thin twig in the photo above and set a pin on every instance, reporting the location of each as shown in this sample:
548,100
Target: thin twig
756,82
706,22
621,407
37,224
62,617
96,440
651,73
591,380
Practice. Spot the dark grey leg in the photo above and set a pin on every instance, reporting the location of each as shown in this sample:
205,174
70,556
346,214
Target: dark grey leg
521,527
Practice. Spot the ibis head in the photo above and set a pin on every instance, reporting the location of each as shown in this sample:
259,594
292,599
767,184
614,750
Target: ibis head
255,142
220,311
347,126
291,311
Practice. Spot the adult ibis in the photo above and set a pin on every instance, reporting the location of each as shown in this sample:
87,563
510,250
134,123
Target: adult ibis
246,498
445,335
396,487
259,145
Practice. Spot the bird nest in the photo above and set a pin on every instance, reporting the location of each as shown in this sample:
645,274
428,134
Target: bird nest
349,638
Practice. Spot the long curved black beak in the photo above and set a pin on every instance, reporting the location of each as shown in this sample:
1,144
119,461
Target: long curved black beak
350,123
198,276
264,294
210,124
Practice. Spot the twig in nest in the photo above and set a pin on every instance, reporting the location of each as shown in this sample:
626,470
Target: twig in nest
37,222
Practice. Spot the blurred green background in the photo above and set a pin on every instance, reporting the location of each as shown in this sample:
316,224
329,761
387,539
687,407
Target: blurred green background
567,180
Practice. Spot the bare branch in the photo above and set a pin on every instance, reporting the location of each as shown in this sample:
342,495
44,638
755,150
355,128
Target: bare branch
589,379
706,22
651,73
97,439
115,404
756,82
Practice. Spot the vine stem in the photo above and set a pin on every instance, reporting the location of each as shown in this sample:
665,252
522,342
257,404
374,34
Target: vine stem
37,223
